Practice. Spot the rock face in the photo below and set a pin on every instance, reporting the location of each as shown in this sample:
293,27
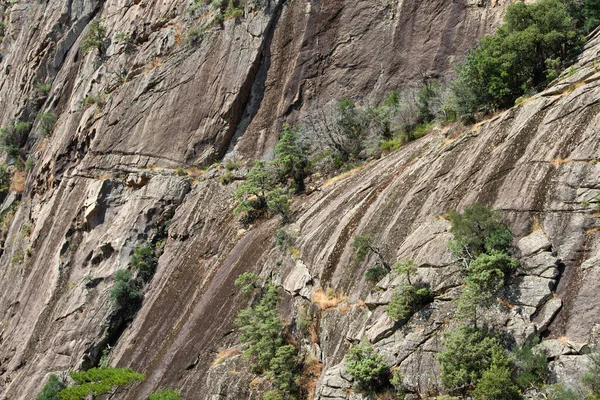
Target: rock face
106,180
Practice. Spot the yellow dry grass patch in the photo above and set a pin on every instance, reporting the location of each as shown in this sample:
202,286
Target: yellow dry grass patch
310,376
557,162
17,182
343,175
327,299
536,224
591,231
223,355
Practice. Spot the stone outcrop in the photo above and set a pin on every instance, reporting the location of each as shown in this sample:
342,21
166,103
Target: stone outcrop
121,172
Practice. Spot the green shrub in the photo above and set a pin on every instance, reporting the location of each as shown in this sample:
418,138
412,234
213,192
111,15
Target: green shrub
47,122
144,260
495,382
283,367
375,274
284,239
352,124
405,267
367,368
226,178
252,194
291,159
530,368
303,321
591,379
398,382
51,389
559,392
406,300
489,271
467,355
4,181
476,231
43,89
95,38
363,246
512,61
165,394
273,395
125,292
247,281
196,35
98,381
99,100
261,328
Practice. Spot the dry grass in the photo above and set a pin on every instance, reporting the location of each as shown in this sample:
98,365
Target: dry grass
256,382
223,355
343,175
327,299
557,162
154,63
17,182
536,224
505,303
310,376
591,231
563,339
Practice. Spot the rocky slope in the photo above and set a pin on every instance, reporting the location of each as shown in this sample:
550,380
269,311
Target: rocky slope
106,181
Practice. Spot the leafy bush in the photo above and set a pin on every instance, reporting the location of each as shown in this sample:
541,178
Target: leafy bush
367,368
43,89
165,394
363,246
406,300
252,194
488,272
47,122
398,382
530,368
247,281
476,231
125,292
14,136
98,381
291,159
405,267
513,61
467,355
559,392
95,38
4,181
51,389
261,328
495,382
591,379
352,124
273,395
375,274
144,260
283,366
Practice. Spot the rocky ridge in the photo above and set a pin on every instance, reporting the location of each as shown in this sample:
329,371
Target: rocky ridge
105,181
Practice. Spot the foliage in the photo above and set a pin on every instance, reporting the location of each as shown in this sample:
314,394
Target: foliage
144,260
273,395
304,320
352,123
125,292
406,267
98,99
591,379
530,367
362,246
247,281
398,382
284,239
261,328
13,136
252,194
51,389
406,300
513,61
4,181
291,159
165,394
476,231
560,392
95,38
47,122
97,381
367,368
495,382
283,366
43,89
467,355
488,272
375,274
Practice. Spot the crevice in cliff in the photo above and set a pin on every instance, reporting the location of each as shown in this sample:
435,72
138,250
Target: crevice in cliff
251,94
